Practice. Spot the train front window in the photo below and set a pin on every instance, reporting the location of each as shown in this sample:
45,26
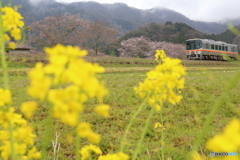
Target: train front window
198,44
187,45
193,44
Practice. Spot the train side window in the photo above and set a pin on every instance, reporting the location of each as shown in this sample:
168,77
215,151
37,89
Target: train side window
223,48
216,47
212,46
220,48
207,45
226,48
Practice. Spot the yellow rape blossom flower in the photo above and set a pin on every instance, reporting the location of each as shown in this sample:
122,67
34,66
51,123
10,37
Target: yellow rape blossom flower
12,45
16,135
28,108
16,33
5,97
94,138
66,67
102,110
12,22
160,54
22,134
40,83
6,37
116,156
161,83
157,107
39,88
33,154
87,150
67,104
156,125
228,141
84,129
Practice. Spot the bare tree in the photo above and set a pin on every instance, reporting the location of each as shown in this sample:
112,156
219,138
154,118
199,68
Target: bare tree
53,30
96,35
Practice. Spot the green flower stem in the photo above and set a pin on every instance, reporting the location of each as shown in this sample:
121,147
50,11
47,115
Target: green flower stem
143,134
13,155
77,154
46,138
214,110
162,133
5,78
2,50
131,122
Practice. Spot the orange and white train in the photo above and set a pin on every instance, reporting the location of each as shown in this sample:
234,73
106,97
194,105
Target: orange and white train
209,49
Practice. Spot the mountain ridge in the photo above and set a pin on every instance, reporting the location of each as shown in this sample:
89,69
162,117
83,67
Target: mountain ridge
118,15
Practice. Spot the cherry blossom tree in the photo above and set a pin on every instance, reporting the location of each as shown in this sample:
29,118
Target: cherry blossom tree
143,48
174,50
137,47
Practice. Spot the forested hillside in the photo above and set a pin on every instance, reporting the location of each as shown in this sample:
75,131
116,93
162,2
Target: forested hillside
169,32
118,15
177,33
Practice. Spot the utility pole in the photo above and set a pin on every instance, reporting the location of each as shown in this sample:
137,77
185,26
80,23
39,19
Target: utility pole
29,35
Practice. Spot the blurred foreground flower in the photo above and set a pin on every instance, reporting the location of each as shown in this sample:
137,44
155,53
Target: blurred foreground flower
17,138
116,156
5,97
67,82
86,151
228,141
16,135
12,24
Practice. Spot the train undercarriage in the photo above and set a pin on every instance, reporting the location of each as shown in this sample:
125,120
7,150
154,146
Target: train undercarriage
209,57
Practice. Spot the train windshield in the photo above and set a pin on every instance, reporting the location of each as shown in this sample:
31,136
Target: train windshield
193,44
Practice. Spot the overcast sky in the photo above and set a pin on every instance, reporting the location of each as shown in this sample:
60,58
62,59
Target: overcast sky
202,10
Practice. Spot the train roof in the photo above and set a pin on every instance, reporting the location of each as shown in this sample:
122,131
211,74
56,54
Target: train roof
212,41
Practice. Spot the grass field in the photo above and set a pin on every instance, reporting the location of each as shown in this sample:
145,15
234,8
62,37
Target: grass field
205,82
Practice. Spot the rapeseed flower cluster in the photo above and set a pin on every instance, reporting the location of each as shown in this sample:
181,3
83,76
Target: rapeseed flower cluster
28,108
160,55
228,141
12,24
84,130
86,151
16,136
116,156
162,82
91,150
5,97
67,82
